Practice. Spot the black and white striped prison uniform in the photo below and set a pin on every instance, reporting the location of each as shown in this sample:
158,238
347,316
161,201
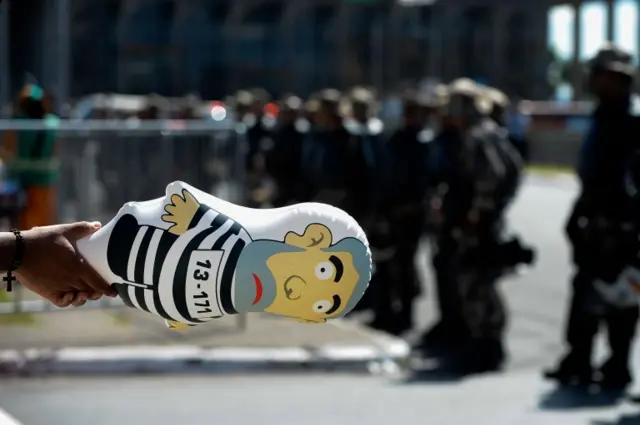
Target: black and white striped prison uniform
160,287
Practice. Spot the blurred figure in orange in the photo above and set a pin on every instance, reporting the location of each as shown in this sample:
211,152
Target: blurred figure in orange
31,160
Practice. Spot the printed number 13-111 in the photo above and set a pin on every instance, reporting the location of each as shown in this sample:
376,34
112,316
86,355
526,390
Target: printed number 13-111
202,274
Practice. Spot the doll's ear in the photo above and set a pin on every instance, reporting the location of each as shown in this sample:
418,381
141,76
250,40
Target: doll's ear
314,236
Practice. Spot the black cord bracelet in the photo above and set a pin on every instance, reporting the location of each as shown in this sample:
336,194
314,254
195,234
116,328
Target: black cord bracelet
17,259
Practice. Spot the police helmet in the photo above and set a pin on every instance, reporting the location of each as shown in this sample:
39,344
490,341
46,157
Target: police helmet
312,105
362,95
434,96
613,59
290,102
498,98
413,101
330,100
260,95
156,105
361,99
243,98
466,98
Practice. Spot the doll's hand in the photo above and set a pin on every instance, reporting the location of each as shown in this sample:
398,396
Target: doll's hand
180,212
176,326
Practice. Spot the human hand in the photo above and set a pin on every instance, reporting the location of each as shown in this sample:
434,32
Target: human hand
55,270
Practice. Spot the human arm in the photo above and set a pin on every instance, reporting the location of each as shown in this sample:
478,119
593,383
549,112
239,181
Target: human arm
49,264
7,250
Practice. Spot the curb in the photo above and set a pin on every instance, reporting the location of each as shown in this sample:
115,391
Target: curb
191,359
7,419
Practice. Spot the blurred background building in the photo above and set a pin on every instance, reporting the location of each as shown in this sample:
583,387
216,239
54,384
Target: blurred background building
529,49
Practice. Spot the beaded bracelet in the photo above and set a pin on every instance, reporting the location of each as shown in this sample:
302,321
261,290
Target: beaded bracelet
17,259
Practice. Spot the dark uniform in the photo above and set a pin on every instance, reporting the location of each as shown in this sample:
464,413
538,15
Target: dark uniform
250,111
514,121
446,178
284,160
311,108
259,132
338,162
480,180
594,227
363,154
395,285
325,153
497,171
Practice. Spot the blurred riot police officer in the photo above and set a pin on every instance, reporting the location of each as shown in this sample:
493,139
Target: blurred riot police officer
241,103
284,160
324,155
434,100
512,155
499,102
445,169
512,118
363,153
359,105
189,108
250,105
478,182
399,224
311,107
594,227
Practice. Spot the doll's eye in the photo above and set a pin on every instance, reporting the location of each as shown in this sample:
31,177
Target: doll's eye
324,270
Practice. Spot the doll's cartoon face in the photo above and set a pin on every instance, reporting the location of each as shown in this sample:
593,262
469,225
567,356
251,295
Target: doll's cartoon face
305,277
205,264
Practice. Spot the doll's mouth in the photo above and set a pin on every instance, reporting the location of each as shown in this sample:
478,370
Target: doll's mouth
258,283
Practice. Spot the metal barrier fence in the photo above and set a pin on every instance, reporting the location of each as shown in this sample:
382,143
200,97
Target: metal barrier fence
102,168
104,164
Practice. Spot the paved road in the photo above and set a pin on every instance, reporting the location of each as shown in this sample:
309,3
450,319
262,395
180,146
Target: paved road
515,399
519,397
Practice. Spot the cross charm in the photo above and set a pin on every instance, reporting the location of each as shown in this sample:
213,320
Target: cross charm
9,278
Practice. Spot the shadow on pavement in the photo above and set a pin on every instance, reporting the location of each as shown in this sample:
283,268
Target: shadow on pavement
428,369
622,420
437,371
566,398
435,375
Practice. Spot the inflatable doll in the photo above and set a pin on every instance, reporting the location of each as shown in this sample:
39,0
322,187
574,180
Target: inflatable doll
190,258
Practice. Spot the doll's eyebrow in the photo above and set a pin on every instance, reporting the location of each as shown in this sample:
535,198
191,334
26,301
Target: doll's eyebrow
339,268
337,302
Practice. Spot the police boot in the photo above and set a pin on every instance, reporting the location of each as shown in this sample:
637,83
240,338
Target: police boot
442,338
478,355
394,319
382,299
450,329
615,374
435,336
573,370
487,355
